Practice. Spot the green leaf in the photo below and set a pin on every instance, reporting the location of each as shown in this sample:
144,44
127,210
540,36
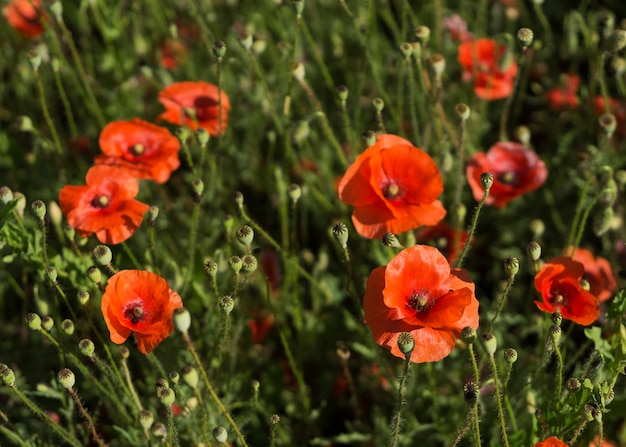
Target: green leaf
602,346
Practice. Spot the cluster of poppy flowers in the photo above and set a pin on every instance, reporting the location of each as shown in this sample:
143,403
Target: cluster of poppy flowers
133,150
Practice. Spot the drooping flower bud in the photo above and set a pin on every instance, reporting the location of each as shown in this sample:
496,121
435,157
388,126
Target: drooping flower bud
182,319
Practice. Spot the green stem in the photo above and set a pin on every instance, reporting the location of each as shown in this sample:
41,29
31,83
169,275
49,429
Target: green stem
408,64
69,115
503,297
129,383
193,234
87,416
559,374
397,419
472,229
509,100
494,369
46,113
131,256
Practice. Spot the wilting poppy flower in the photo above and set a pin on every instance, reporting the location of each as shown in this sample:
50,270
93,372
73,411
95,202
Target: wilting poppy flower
558,282
141,302
105,205
552,441
598,273
418,292
393,187
194,104
516,168
140,148
26,17
444,238
564,96
482,61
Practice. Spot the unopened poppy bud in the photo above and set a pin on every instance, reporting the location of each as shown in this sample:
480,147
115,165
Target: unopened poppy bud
198,187
468,334
7,375
220,434
295,192
102,254
511,266
67,326
596,414
406,343
167,396
470,393
210,266
174,377
423,34
159,430
239,198
34,57
190,376
249,263
616,41
525,37
556,318
39,209
52,274
83,297
183,133
235,263
219,49
587,411
298,6
70,232
87,348
161,384
378,104
407,49
255,384
369,138
342,93
66,378
534,249
340,233
486,178
55,213
94,274
146,418
6,195
438,63
462,111
245,235
153,212
24,123
245,39
602,221
298,71
301,132
523,135
609,397
390,240
608,123
274,419
182,319
555,332
47,323
537,227
510,355
226,303
490,342
33,321
573,385
124,352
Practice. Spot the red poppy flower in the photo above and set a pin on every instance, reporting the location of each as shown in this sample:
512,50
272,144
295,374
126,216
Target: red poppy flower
393,187
552,441
105,205
564,96
140,148
173,52
598,273
481,60
516,168
26,17
141,302
444,238
194,104
417,292
558,282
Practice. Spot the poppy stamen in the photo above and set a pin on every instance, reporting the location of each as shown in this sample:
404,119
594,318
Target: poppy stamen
137,149
420,301
100,202
508,178
391,191
135,313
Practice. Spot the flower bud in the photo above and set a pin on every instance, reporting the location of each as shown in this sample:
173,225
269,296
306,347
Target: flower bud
220,434
390,240
183,133
52,274
245,235
295,192
33,321
174,377
490,342
511,267
7,375
124,353
298,71
87,348
523,135
226,303
298,6
462,111
159,430
167,396
219,49
438,62
67,326
556,318
378,104
608,123
510,355
66,378
102,254
342,93
69,232
555,333
369,137
198,188
83,297
146,418
470,393
39,209
47,323
235,263
525,37
249,263
573,385
423,34
340,233
21,203
468,334
94,274
6,195
190,376
182,319
406,343
407,49
239,199
616,41
210,266
534,249
486,178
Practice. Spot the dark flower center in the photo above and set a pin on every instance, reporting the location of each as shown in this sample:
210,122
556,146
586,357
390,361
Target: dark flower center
560,298
391,190
134,313
101,201
420,300
202,109
508,178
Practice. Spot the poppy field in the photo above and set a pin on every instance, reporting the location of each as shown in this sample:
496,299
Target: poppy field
312,223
